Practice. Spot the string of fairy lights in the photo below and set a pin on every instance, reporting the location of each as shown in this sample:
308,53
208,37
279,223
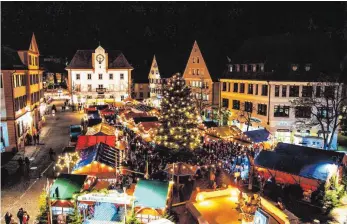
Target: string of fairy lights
179,118
67,160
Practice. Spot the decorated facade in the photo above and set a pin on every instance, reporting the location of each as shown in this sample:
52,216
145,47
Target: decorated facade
99,76
22,105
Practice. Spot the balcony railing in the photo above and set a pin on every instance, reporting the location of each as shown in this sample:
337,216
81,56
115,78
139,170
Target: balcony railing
100,90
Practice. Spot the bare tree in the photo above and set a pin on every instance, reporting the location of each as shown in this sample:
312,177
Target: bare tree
324,107
223,114
245,113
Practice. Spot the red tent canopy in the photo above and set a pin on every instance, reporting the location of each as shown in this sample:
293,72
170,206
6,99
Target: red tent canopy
107,111
85,141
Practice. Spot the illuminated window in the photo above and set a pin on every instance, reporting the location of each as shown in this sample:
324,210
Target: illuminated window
294,67
308,67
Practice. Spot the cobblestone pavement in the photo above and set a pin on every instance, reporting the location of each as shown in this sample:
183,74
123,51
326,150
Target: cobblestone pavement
24,190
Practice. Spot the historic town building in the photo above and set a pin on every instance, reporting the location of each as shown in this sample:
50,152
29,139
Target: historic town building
197,75
156,82
267,73
22,106
140,91
99,76
205,91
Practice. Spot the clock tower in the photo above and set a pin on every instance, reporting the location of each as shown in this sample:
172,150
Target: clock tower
99,60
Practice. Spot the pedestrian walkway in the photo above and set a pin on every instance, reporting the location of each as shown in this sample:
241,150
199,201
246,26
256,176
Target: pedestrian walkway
30,151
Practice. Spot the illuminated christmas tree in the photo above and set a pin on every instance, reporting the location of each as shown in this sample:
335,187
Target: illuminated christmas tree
179,117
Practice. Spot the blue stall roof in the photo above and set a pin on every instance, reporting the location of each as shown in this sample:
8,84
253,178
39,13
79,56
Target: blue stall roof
101,153
299,160
260,135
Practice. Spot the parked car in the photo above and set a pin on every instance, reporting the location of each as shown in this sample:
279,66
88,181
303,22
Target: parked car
75,131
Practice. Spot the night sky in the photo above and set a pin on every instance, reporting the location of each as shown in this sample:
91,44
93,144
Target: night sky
166,29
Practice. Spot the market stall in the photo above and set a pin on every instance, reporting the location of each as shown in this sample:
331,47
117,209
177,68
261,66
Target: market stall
101,130
293,164
100,160
63,189
152,199
259,137
85,141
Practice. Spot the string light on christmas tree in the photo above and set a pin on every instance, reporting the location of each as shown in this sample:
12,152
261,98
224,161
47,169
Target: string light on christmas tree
179,119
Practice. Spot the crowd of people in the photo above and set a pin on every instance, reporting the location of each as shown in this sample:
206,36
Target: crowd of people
231,156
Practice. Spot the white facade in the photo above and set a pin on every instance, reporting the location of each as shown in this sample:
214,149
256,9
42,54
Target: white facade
266,97
101,81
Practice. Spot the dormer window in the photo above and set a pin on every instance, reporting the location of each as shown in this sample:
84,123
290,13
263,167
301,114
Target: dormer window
231,68
307,67
245,68
237,68
254,68
262,67
294,67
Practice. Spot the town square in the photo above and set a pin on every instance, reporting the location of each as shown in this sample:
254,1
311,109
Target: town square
173,112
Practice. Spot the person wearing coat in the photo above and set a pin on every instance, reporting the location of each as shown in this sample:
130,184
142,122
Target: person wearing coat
8,218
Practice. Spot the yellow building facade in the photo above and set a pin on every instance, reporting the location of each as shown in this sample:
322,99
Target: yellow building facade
22,106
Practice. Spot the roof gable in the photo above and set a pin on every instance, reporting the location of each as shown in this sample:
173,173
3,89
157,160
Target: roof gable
154,70
196,61
33,45
83,60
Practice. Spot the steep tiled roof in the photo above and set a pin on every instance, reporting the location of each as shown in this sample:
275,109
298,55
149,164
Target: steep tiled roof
10,59
278,54
83,59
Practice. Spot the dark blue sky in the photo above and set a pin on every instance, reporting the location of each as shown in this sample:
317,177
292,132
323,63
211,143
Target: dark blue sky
167,29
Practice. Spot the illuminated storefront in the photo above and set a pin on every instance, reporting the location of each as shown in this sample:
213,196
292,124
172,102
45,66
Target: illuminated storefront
4,136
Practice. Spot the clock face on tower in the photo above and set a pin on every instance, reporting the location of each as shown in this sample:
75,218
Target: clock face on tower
100,58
